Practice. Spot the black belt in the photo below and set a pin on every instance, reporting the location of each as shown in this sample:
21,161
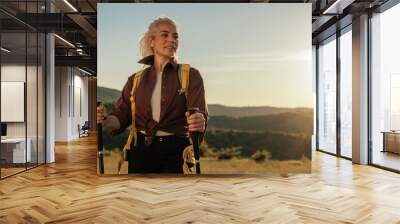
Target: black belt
160,139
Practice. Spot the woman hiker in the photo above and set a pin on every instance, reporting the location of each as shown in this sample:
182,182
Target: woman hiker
161,124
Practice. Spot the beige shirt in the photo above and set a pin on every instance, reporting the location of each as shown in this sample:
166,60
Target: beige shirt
156,98
156,104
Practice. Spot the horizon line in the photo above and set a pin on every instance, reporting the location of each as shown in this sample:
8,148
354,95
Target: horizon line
224,105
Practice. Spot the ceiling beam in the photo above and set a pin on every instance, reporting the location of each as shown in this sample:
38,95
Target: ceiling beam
337,7
82,61
84,24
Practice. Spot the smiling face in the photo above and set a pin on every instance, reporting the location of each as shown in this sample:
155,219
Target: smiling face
165,40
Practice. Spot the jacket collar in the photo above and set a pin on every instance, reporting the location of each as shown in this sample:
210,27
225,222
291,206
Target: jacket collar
149,60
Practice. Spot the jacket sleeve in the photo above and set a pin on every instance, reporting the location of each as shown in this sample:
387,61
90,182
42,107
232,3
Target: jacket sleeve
196,95
122,108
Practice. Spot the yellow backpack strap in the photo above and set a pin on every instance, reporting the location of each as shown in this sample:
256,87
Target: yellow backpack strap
184,77
132,133
188,156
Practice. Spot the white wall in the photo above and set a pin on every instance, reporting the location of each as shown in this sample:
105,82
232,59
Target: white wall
61,103
81,103
12,73
71,102
34,123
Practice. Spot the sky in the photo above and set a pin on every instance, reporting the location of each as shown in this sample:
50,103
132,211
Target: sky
249,54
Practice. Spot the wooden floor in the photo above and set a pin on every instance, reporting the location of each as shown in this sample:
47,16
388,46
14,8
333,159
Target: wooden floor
70,191
387,159
5,172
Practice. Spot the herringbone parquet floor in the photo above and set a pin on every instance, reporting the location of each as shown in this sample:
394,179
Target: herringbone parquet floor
70,191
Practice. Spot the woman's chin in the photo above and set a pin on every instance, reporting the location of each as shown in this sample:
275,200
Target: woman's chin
170,53
167,55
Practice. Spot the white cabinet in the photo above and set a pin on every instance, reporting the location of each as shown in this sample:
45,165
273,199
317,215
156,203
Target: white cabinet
17,146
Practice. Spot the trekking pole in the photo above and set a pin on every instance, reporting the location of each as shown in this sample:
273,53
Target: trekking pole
194,136
100,144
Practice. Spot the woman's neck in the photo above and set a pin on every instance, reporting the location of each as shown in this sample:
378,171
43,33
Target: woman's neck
160,62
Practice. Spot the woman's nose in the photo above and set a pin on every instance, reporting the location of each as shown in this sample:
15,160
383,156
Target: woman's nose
172,39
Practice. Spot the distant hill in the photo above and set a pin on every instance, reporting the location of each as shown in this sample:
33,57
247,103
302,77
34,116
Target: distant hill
299,122
220,110
107,95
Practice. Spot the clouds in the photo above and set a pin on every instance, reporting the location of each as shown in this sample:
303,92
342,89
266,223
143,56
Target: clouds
271,56
271,62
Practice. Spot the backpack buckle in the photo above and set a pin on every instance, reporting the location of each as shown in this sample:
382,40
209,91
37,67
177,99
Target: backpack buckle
148,140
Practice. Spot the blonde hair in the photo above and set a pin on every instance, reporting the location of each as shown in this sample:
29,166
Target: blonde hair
144,42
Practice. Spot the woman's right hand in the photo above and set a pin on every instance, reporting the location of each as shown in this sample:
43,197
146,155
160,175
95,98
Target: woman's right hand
101,114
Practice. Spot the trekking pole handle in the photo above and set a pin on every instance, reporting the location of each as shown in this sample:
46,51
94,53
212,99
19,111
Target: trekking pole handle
191,111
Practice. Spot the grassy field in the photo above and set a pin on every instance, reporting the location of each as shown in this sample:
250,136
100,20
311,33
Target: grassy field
231,166
248,166
111,163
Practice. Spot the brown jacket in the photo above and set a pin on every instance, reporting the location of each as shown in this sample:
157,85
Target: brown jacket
173,104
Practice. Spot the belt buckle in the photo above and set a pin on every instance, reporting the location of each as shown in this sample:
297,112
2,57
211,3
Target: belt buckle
147,140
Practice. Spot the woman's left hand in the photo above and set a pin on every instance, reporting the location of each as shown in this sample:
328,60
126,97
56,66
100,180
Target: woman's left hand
196,122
